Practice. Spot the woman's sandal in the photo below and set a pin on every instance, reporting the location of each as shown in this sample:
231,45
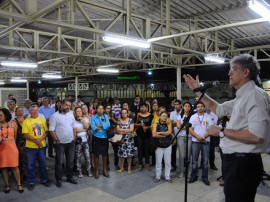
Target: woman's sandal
90,175
120,170
7,190
20,190
129,172
80,175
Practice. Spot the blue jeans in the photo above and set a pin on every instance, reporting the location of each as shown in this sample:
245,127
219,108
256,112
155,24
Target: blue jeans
195,152
69,150
33,155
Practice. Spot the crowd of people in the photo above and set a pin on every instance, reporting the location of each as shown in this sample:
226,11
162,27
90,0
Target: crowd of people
68,130
73,129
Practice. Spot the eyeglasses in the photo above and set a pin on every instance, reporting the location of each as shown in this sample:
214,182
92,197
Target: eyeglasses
233,69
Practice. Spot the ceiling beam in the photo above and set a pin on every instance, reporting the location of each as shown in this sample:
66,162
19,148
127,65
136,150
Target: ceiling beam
211,29
33,16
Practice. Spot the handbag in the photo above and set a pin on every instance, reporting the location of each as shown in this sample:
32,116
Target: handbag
110,133
118,139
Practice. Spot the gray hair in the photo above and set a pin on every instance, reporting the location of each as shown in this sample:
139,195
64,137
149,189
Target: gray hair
247,61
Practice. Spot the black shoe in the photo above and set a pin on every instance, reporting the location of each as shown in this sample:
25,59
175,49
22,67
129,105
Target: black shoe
106,175
31,187
72,181
51,156
20,189
46,184
173,168
192,179
7,190
206,181
59,183
213,167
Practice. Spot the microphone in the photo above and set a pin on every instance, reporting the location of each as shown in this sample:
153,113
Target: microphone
206,86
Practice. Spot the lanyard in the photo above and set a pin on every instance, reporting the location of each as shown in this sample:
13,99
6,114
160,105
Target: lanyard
201,121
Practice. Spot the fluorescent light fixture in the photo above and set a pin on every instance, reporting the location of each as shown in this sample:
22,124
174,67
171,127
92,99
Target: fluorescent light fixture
18,64
39,82
126,41
214,59
18,80
108,70
260,7
104,66
51,76
2,82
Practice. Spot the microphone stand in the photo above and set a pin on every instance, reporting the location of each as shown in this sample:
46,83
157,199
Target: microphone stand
187,125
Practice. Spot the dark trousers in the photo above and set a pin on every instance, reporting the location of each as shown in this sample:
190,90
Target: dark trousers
173,155
222,162
213,144
50,145
115,153
69,151
242,176
143,149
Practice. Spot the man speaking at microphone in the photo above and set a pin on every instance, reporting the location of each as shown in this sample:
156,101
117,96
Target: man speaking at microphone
247,133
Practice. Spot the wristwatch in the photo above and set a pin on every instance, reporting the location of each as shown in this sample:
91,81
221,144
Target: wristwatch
221,133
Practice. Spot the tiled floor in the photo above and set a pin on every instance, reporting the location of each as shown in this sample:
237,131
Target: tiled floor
137,187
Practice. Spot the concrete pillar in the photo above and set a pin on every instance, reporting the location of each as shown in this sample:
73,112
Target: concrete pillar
178,83
77,87
27,89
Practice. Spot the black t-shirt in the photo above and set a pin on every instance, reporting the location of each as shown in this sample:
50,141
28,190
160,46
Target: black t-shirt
147,122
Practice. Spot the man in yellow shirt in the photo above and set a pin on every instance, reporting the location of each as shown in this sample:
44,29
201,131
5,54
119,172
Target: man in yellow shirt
35,131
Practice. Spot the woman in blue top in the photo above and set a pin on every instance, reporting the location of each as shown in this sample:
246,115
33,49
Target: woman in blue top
99,123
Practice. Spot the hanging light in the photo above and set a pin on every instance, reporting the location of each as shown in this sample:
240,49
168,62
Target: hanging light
214,59
260,7
51,76
18,64
18,80
126,41
107,70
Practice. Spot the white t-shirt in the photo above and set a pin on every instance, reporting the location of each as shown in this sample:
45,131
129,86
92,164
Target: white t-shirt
182,132
62,125
214,118
174,116
79,125
199,125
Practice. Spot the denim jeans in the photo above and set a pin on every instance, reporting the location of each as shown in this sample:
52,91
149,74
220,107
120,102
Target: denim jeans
33,155
181,144
166,154
195,152
69,151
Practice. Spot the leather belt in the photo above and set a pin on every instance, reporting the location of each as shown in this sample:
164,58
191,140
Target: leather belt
239,155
